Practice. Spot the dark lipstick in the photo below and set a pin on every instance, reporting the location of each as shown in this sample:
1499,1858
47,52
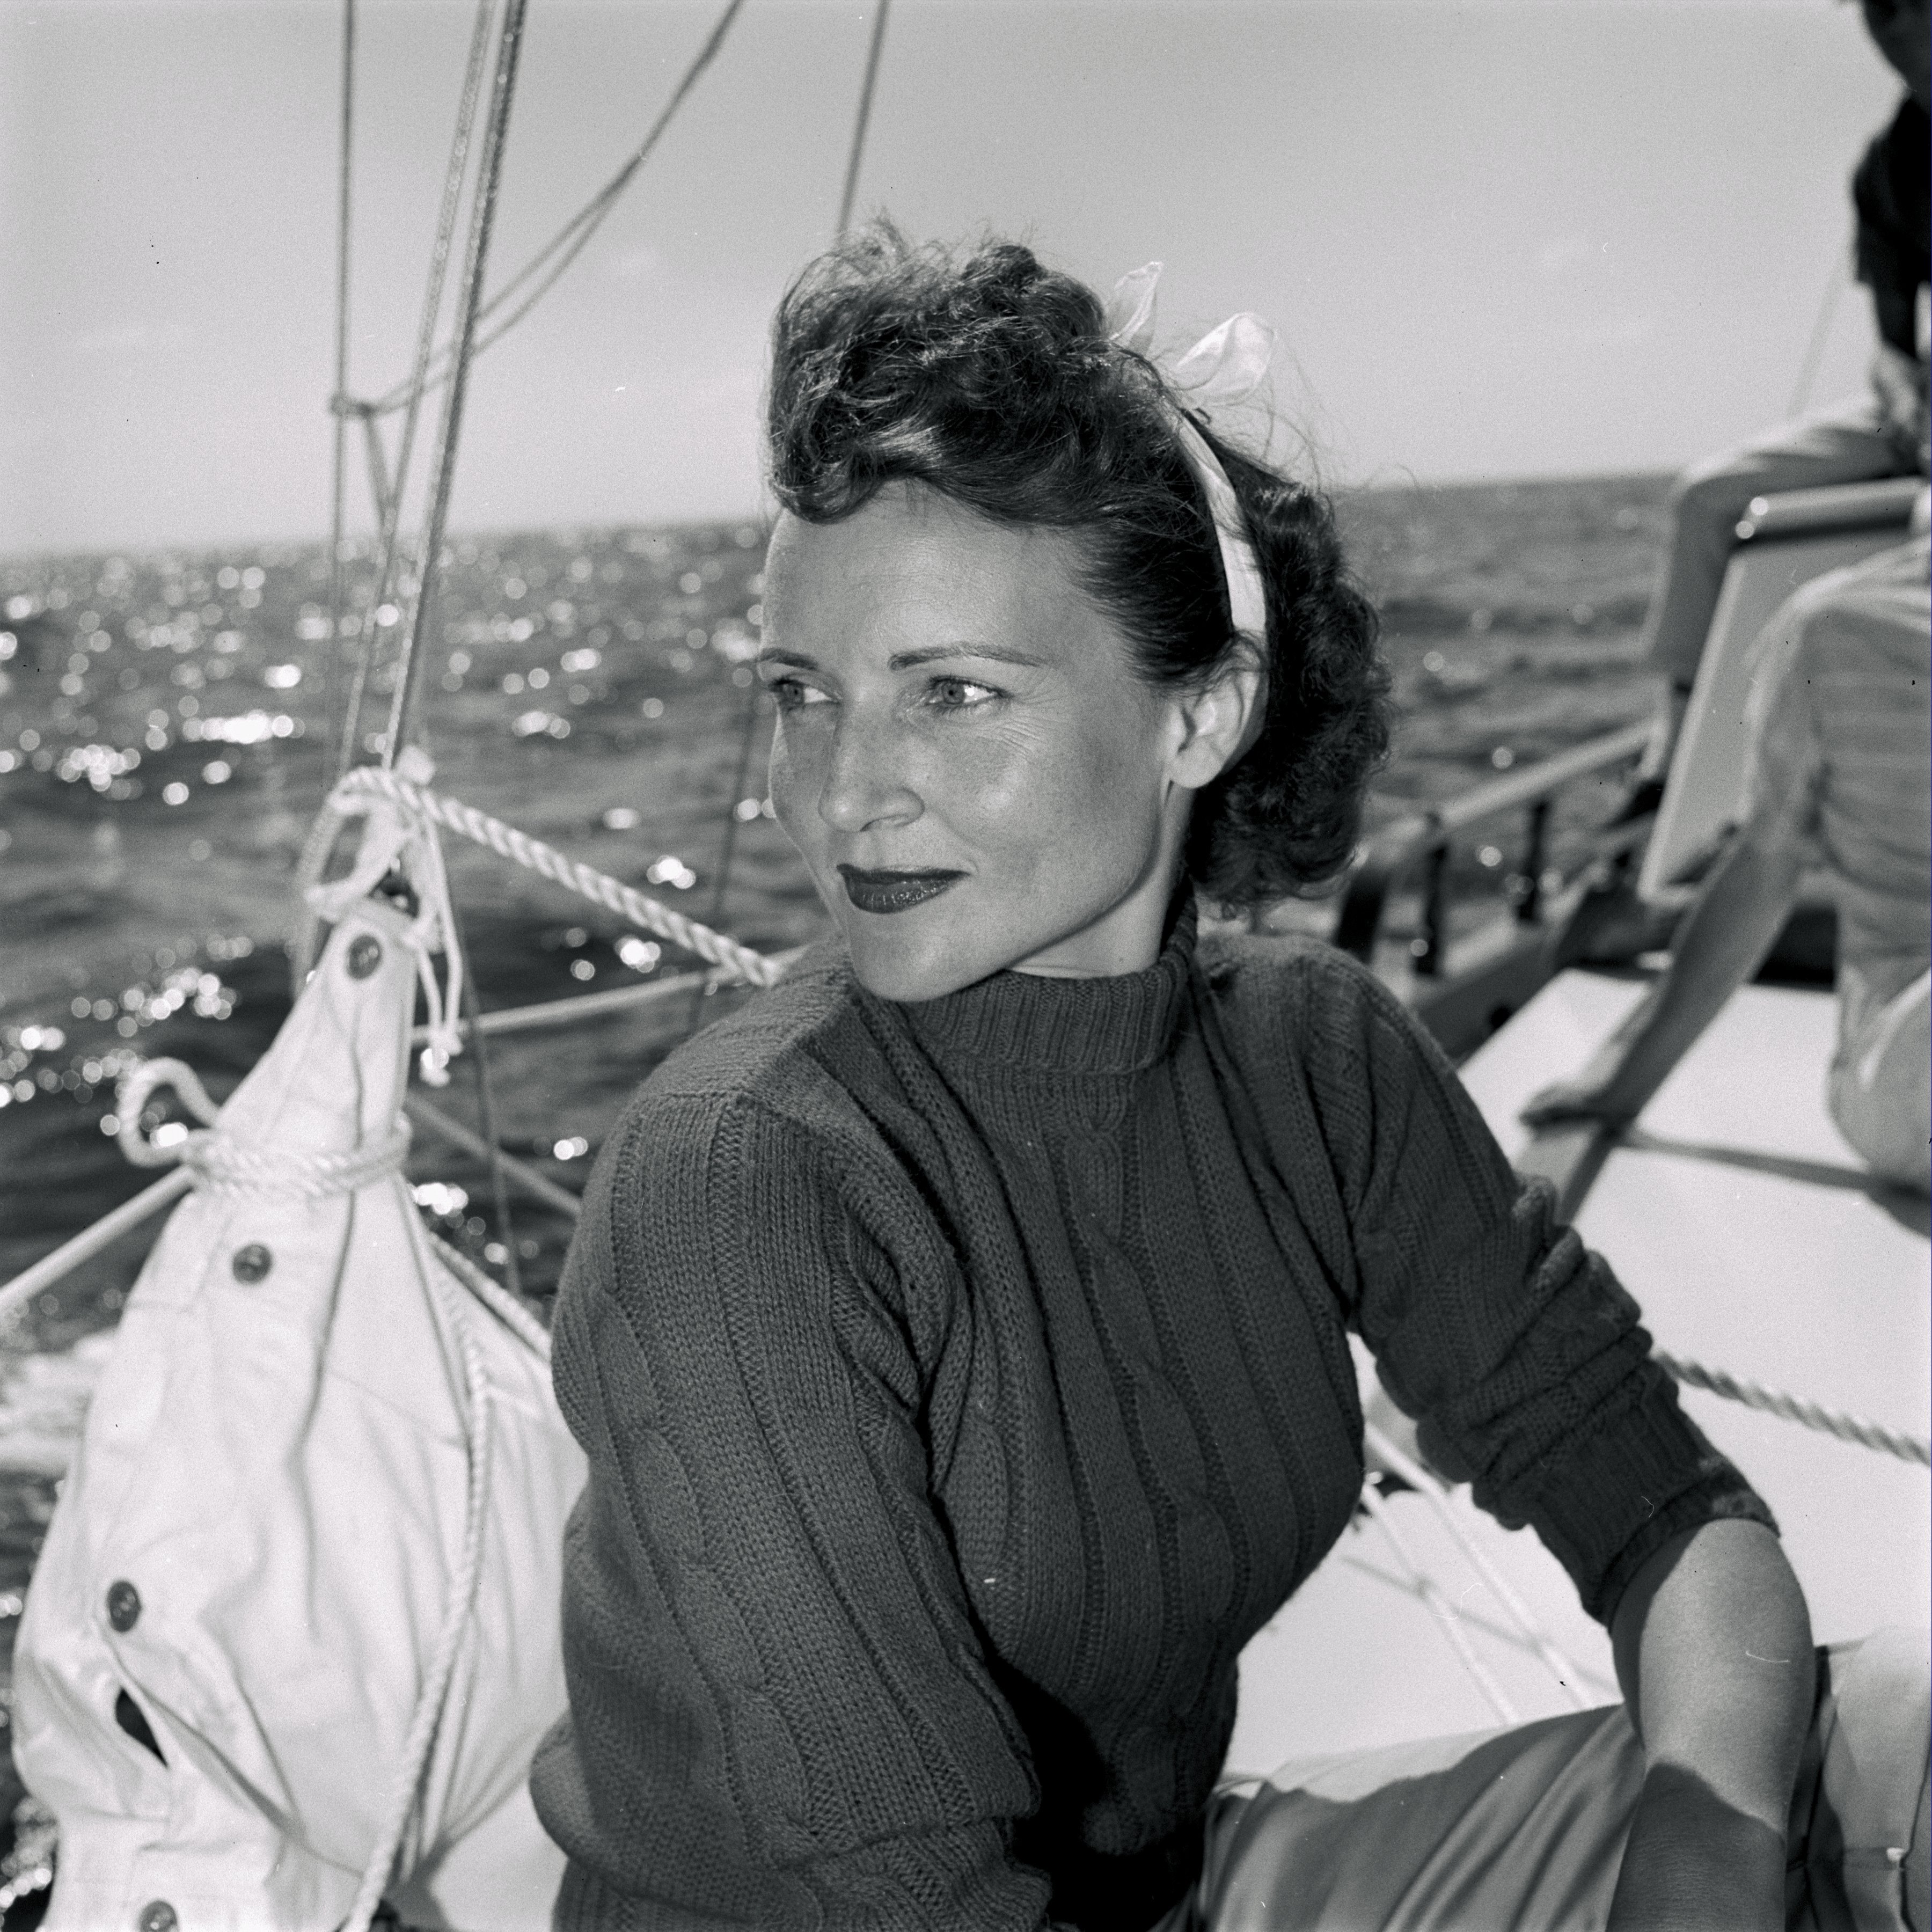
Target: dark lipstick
893,891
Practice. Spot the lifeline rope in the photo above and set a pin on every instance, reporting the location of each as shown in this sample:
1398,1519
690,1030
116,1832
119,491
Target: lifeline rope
741,962
1868,1434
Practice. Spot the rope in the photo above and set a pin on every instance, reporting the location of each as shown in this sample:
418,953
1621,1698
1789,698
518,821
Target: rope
1438,1605
406,1793
571,239
741,962
483,214
343,181
514,1314
1868,1434
1568,1677
389,505
864,115
218,1161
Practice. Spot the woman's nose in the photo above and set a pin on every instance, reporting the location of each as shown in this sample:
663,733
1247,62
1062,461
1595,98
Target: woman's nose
867,779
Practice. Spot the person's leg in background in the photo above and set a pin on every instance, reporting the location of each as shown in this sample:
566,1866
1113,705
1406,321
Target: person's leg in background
1881,1090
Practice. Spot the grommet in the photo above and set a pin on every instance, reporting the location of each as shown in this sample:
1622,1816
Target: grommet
156,1915
365,955
252,1264
124,1604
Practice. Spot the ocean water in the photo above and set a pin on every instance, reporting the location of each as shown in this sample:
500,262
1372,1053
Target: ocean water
164,728
165,721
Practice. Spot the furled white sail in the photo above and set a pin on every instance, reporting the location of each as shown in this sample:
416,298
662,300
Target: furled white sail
317,1458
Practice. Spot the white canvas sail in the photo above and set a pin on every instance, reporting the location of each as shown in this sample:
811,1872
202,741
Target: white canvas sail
315,1455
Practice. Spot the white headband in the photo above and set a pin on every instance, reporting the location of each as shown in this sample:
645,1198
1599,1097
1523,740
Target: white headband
1227,365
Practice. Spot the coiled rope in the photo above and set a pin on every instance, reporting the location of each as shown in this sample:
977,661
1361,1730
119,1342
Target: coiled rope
219,1163
739,962
1848,1428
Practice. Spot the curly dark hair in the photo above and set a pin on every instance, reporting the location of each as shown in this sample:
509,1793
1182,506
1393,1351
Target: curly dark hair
991,379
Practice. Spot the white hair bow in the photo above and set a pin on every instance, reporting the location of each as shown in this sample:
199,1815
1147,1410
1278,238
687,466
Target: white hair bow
1225,366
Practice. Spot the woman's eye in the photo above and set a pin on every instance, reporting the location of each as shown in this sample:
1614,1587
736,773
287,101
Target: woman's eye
958,694
790,693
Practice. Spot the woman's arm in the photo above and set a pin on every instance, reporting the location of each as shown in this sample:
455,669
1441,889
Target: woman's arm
1713,1648
781,1712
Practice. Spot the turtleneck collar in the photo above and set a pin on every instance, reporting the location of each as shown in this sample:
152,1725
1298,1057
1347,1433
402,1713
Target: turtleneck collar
1121,1023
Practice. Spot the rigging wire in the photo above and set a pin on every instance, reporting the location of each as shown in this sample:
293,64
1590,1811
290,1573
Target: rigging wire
388,500
551,261
1821,334
343,182
854,158
864,120
747,738
483,211
486,1116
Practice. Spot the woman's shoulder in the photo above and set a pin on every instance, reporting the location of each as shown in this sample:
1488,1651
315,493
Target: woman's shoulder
796,1059
1292,993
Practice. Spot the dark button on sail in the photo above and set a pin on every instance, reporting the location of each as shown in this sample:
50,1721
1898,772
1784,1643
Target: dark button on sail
252,1264
156,1915
365,955
124,1604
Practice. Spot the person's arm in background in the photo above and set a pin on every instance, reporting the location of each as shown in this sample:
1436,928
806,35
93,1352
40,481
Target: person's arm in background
1713,1648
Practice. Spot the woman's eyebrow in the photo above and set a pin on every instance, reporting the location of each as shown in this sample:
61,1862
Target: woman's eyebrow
905,660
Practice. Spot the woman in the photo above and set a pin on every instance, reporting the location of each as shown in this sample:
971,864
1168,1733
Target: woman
958,1335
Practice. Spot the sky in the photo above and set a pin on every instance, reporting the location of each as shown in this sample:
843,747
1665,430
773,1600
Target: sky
1514,238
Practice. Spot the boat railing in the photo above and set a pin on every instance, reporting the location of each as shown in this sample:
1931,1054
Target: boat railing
1424,841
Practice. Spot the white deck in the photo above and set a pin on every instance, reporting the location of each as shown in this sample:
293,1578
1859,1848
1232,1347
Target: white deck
1741,1225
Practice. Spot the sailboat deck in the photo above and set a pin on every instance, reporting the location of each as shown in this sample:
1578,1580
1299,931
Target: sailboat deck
1751,1236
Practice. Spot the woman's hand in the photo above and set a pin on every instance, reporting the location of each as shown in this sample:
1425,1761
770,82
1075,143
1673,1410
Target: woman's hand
1713,1647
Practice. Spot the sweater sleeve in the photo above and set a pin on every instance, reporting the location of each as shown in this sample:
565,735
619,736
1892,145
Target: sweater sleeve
780,1715
1515,1348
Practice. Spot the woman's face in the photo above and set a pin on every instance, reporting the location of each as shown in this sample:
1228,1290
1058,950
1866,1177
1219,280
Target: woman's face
965,757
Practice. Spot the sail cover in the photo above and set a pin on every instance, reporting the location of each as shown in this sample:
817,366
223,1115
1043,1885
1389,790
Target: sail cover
312,1536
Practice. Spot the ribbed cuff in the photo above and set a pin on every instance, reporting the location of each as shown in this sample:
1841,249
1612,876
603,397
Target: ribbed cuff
1620,1495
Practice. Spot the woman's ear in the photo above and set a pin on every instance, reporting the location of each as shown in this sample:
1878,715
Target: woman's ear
1219,722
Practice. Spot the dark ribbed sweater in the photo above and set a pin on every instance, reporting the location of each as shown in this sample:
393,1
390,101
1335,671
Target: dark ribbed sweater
963,1384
